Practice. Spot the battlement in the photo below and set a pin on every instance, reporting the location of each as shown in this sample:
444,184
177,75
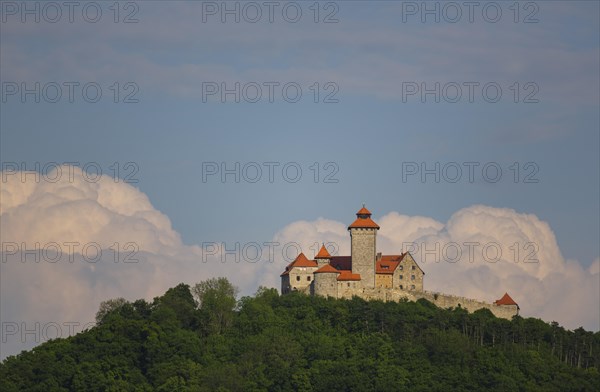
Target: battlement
444,301
451,301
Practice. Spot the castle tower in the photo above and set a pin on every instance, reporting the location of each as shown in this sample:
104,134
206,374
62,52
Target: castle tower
323,257
325,283
363,235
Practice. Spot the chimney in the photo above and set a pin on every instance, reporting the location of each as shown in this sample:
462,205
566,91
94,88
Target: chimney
378,256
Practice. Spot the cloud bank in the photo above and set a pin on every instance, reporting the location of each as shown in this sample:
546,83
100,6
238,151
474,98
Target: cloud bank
482,252
70,244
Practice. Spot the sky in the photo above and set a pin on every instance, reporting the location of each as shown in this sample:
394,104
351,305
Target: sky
145,144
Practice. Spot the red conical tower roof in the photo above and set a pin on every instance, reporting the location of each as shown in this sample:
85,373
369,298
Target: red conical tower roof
327,268
363,211
363,220
506,300
323,253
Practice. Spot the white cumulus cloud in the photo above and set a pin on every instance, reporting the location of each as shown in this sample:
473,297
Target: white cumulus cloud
74,212
482,252
69,244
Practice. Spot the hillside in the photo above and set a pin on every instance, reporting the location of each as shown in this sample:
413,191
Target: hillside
202,339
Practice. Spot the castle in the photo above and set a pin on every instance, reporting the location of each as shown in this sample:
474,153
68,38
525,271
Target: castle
371,275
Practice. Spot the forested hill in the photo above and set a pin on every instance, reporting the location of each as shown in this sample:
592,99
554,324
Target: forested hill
202,339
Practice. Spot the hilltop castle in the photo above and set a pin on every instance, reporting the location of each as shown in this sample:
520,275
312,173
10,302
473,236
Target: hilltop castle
371,275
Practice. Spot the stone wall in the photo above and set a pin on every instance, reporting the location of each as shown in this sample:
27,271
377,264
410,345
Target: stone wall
348,288
300,279
383,280
285,284
450,301
363,254
403,275
441,300
326,285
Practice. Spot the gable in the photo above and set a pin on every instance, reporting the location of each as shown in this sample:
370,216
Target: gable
409,260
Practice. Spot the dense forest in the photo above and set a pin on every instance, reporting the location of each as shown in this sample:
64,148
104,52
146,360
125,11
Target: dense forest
202,338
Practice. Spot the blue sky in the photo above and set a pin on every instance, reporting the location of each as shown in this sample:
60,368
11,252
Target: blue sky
367,137
369,53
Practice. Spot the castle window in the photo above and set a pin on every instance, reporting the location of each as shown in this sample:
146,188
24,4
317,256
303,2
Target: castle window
401,268
348,284
401,277
414,268
412,287
298,278
412,277
308,278
401,287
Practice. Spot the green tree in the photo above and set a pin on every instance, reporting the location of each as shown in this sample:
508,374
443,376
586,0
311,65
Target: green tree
179,299
216,299
297,342
109,306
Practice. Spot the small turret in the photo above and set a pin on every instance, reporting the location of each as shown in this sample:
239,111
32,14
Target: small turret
506,300
325,283
323,257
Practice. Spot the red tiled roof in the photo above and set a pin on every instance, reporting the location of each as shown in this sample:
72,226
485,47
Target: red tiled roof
323,253
388,264
393,257
344,263
363,211
326,268
341,262
506,300
364,223
300,261
348,275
